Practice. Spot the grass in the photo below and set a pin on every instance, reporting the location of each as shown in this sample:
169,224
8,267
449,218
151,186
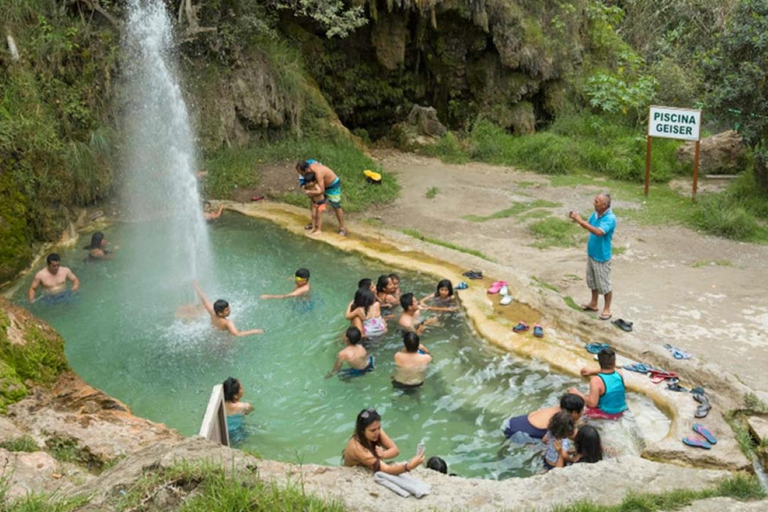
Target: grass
515,209
432,192
545,284
618,251
741,432
204,487
739,487
20,444
753,403
552,232
37,502
449,245
230,169
572,304
535,214
711,263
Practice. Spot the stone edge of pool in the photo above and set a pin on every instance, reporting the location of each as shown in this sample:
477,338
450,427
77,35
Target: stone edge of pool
562,351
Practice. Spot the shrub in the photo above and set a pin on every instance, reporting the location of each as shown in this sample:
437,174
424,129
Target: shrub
718,216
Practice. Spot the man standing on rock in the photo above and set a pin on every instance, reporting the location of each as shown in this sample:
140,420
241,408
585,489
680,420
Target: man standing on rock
54,280
330,185
601,226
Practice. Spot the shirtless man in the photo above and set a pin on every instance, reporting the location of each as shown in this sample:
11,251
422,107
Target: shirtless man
354,355
329,185
411,363
53,278
209,214
219,312
410,320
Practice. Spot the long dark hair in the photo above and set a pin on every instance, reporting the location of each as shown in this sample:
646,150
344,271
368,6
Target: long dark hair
364,298
588,444
231,388
96,239
445,283
364,419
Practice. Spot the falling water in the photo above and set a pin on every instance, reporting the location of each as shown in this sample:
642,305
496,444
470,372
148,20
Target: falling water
161,188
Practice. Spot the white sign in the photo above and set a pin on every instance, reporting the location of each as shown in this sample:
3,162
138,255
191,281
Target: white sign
674,123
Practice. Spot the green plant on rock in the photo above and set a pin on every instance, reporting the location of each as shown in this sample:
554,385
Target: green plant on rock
20,444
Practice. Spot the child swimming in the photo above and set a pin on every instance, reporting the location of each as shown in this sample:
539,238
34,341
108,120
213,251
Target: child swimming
354,355
560,431
302,286
219,312
443,298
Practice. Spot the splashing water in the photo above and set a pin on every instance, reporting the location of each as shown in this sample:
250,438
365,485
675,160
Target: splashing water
160,159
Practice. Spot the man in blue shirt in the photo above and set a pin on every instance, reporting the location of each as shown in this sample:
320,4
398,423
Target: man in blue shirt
601,226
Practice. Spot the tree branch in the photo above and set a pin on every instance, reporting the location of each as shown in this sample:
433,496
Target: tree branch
95,6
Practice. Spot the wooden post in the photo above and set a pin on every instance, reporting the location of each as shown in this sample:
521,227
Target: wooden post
648,163
695,171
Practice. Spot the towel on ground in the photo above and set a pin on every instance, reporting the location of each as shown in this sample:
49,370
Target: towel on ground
404,485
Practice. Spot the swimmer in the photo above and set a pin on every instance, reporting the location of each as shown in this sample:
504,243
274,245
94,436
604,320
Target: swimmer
235,409
208,212
385,292
365,314
219,312
53,278
97,249
369,446
410,320
443,299
411,363
302,286
396,283
354,355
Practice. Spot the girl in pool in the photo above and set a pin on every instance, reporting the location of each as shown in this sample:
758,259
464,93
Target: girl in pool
396,283
588,446
560,431
385,292
443,299
365,314
235,409
370,444
97,249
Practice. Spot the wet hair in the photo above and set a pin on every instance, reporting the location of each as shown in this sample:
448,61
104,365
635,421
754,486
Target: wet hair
561,425
437,464
364,283
364,419
382,283
52,257
572,403
411,341
302,273
406,300
364,298
588,445
220,305
96,239
445,283
231,388
206,203
302,166
394,277
353,335
606,358
309,177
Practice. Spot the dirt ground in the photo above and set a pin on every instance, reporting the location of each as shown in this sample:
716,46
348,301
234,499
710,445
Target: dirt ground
665,281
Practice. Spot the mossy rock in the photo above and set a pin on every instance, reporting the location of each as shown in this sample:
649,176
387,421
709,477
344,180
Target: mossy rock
31,353
15,251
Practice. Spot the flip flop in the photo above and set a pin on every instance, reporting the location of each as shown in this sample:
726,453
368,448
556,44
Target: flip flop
461,286
605,317
663,374
496,287
698,392
343,232
623,325
506,300
704,432
521,327
257,198
697,442
675,386
308,226
585,307
638,367
702,410
504,290
677,353
538,331
473,274
595,348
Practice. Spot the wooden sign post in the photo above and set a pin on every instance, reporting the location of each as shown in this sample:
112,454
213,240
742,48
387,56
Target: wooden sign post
673,123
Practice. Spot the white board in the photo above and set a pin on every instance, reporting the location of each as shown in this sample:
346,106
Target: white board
674,123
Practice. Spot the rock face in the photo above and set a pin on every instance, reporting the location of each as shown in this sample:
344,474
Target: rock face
388,36
723,153
421,128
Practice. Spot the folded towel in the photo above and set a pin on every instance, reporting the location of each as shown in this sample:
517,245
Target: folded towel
404,485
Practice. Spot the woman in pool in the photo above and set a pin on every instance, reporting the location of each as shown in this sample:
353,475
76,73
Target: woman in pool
370,444
235,409
365,314
588,446
97,249
385,292
443,299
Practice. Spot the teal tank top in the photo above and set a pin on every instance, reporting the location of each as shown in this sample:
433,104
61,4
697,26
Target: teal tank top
614,400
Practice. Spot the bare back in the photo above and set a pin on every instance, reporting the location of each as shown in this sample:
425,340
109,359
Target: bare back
324,174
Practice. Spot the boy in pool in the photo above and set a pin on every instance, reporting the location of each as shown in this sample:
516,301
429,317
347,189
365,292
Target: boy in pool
411,363
354,355
302,286
410,320
219,312
315,193
209,214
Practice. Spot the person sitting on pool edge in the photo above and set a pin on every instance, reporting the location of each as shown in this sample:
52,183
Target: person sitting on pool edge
410,319
219,311
355,355
369,445
607,396
302,286
534,424
235,409
411,363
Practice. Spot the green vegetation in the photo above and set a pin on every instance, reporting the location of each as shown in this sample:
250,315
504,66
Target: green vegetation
552,232
36,502
67,449
738,424
740,487
432,192
417,234
544,284
204,486
20,444
515,209
572,304
710,263
618,251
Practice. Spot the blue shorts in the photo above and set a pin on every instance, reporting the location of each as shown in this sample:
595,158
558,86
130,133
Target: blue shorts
59,298
354,372
333,194
521,424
